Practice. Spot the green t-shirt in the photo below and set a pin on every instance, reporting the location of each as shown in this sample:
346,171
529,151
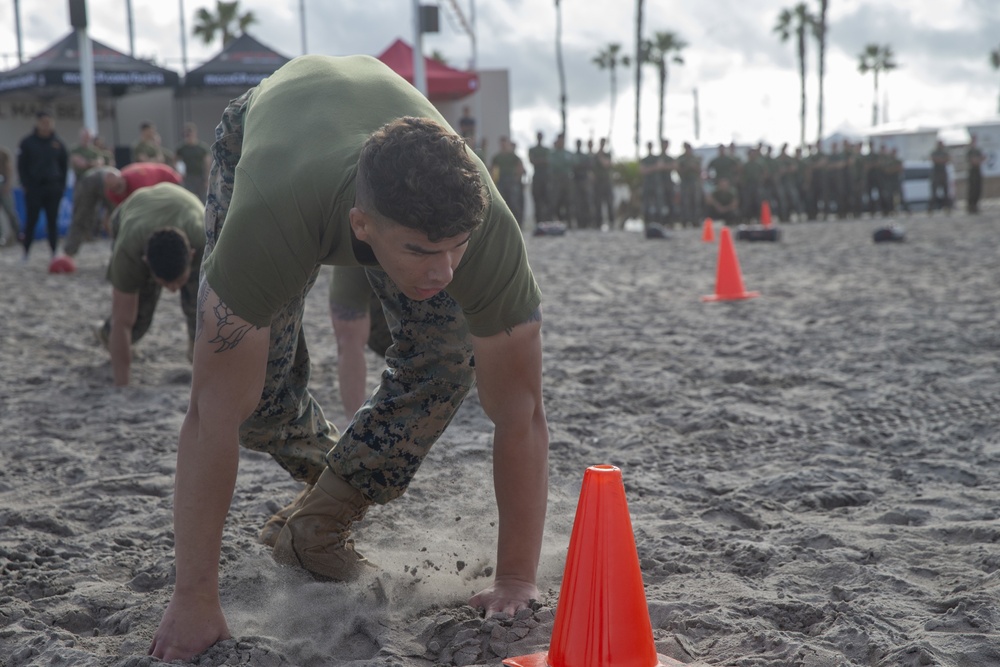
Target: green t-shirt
561,163
689,167
294,186
88,153
753,173
539,158
508,164
146,151
149,209
193,157
724,166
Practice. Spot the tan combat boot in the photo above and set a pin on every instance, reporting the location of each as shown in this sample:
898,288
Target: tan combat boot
269,533
317,536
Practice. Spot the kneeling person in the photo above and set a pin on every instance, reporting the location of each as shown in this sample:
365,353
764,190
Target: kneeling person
159,239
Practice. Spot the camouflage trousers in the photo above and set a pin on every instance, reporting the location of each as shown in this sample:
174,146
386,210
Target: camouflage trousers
89,206
429,370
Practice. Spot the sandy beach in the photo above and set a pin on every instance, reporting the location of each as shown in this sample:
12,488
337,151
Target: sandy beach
812,475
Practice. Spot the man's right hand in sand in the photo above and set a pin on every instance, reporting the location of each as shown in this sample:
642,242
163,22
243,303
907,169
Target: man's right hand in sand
226,383
188,627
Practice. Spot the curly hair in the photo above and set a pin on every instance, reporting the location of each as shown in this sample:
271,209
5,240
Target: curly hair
418,174
168,253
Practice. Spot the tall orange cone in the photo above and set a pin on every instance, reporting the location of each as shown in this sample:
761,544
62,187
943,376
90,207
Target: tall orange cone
765,213
708,231
602,619
728,278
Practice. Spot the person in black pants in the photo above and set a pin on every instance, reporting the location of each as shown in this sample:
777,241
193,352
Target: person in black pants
42,164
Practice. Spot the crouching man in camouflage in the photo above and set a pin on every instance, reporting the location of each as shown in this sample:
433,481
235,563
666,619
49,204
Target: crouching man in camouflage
367,175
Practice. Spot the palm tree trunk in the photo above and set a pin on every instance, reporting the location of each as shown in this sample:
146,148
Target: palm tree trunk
638,69
663,100
562,69
802,85
611,118
875,101
823,5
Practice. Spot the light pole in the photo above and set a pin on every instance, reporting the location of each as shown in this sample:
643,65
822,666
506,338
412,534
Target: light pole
419,74
184,50
302,25
131,28
88,92
17,27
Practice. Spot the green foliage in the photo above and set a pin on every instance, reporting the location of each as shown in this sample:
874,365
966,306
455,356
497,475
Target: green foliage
876,58
207,24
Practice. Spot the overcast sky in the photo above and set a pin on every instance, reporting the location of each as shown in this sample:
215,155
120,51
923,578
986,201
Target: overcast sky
746,78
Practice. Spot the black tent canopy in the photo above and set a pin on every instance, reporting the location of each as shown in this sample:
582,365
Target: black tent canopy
56,72
241,65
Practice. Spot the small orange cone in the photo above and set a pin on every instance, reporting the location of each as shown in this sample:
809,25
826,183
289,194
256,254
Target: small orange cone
602,619
728,279
765,213
708,231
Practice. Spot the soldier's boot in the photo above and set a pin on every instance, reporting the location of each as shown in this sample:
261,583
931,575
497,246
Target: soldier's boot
317,536
269,533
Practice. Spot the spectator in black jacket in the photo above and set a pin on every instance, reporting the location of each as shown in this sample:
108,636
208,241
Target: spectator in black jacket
42,165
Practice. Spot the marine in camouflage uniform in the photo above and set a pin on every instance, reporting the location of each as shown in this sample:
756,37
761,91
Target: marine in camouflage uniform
384,446
91,208
349,194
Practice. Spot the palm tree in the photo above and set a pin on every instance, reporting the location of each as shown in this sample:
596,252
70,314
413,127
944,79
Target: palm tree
226,13
797,20
609,59
995,61
562,69
664,48
819,31
876,59
639,41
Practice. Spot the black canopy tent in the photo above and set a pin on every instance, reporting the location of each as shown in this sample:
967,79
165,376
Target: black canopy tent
239,66
55,74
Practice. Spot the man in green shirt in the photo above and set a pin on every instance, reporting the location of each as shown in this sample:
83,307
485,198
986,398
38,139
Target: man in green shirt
541,179
752,185
974,157
723,203
147,147
561,168
689,170
196,157
507,170
159,239
385,185
91,209
651,185
604,195
85,155
940,191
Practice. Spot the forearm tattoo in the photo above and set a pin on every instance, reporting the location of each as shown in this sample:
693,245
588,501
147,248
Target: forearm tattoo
535,316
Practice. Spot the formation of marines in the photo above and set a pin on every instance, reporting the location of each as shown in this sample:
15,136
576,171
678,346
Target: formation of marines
845,181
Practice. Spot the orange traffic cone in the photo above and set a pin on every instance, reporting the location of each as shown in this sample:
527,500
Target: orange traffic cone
602,619
765,213
728,279
708,231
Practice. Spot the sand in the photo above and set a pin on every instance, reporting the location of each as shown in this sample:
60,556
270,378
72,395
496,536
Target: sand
811,475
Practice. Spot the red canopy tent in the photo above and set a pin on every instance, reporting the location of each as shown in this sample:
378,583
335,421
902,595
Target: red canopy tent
443,82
